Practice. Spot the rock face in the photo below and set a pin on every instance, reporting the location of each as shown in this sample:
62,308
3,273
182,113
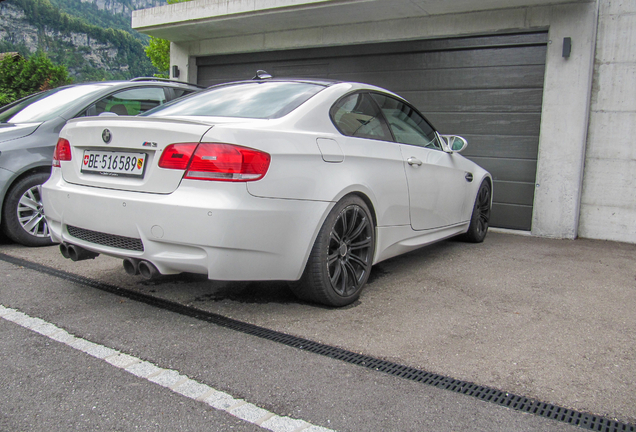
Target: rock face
94,55
120,7
14,27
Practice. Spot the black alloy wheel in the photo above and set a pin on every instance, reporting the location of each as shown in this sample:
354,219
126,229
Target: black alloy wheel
481,215
341,259
349,253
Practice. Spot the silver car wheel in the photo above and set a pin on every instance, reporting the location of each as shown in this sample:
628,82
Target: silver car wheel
31,213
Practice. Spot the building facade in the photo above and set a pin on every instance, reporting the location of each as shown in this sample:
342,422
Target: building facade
544,90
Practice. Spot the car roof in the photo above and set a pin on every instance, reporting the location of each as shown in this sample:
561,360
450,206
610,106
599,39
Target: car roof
107,87
319,81
141,80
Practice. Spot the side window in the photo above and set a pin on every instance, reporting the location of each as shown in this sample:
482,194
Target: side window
131,102
357,116
407,125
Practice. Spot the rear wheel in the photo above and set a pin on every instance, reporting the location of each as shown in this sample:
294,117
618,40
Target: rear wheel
341,259
481,215
23,216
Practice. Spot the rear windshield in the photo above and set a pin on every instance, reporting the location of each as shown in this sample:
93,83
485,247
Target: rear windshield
46,105
259,100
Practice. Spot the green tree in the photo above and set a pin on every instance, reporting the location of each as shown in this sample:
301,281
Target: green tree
20,77
158,51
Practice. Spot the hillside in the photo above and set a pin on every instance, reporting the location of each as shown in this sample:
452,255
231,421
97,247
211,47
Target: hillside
92,38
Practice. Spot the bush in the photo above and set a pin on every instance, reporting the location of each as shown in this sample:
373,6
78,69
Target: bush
20,77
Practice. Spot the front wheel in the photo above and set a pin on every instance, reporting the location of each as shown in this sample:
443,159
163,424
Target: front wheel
23,217
481,215
340,261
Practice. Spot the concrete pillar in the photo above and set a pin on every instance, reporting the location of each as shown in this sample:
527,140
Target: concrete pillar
564,118
608,204
180,57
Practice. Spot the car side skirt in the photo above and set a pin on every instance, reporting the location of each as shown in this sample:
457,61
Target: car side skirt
396,240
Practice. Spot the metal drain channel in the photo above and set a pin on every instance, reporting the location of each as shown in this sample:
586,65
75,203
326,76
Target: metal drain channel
487,394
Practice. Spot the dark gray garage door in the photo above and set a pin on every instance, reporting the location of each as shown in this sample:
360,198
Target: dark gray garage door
487,89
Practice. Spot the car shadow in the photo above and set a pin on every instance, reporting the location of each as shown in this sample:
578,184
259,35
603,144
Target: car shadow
196,289
4,240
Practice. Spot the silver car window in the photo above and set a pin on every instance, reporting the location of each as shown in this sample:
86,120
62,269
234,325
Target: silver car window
48,105
132,101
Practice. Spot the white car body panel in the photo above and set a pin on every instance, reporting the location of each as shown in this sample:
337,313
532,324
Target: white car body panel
264,229
222,227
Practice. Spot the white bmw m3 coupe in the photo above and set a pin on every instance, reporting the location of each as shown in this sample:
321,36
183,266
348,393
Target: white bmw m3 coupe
303,180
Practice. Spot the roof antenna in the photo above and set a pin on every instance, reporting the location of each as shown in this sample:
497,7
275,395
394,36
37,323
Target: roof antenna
261,75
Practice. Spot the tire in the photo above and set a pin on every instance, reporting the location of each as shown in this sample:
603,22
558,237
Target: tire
22,216
480,218
342,256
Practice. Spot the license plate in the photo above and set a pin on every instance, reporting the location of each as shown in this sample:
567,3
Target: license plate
113,163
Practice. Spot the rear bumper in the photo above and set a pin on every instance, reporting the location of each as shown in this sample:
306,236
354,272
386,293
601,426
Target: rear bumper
211,228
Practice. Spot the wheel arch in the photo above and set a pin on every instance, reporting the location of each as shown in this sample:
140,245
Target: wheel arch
369,204
10,184
364,194
488,178
353,192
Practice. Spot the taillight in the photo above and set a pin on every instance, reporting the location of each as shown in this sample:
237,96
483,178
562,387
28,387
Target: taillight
62,152
177,156
221,162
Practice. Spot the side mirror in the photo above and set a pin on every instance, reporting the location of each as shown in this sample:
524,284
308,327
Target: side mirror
454,143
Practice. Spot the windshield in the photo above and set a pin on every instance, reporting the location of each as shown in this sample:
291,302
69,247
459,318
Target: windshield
46,105
259,100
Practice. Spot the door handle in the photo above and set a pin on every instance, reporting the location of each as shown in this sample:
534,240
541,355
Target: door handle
414,161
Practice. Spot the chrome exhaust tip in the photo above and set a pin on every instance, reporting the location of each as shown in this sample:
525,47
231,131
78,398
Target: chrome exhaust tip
77,253
131,265
64,250
148,270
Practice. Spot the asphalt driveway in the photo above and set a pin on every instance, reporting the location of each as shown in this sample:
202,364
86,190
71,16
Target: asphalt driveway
548,319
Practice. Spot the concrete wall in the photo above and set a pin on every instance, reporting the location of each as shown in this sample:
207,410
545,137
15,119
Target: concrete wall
608,204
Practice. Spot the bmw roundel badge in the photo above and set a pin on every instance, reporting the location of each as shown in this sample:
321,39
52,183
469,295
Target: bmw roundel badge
106,136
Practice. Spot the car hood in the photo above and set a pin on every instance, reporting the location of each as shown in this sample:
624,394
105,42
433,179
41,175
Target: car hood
11,131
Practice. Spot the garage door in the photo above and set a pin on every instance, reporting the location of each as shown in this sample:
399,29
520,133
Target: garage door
487,89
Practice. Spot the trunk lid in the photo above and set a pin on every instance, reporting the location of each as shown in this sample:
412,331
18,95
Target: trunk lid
133,144
11,131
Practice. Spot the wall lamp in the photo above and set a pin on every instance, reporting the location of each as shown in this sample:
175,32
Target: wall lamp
175,71
567,47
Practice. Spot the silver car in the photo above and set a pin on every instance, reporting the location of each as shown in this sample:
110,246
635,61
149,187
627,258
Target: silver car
29,129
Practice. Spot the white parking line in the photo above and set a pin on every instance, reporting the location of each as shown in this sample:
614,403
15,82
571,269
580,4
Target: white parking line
169,378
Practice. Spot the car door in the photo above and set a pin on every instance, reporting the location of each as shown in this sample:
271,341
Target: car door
437,184
371,157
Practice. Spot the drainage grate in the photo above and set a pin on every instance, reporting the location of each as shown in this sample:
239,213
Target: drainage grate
104,239
487,394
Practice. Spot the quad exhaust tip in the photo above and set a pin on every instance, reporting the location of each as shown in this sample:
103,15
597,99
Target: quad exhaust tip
146,269
76,253
131,266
